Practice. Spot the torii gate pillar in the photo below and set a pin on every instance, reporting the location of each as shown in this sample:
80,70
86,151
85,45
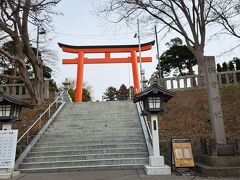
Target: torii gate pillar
136,81
79,83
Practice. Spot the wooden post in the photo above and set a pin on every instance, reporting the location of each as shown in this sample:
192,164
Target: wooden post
214,100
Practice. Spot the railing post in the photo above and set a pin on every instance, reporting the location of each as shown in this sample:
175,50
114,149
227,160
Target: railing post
178,83
234,77
165,83
219,75
27,137
227,78
185,82
40,124
49,112
172,84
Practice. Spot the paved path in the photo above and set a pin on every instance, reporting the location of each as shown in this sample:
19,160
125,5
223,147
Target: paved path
106,175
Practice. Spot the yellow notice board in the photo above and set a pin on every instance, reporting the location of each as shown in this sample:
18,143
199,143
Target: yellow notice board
182,152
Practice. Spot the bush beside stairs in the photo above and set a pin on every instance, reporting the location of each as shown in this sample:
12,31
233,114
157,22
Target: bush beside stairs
90,136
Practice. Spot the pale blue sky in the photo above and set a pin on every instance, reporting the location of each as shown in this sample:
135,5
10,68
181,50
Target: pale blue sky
79,26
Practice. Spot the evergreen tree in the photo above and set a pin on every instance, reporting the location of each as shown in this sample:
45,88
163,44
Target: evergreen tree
219,68
123,93
224,66
86,96
237,62
177,57
111,94
231,66
86,91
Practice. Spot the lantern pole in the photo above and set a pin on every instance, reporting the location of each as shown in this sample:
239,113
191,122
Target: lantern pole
140,56
158,58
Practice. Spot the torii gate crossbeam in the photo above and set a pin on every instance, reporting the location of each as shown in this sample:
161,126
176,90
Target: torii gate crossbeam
107,50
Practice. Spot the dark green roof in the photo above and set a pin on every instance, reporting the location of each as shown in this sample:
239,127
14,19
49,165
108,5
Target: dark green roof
154,89
13,100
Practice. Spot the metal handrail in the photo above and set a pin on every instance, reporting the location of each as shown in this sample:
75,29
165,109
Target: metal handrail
40,117
146,123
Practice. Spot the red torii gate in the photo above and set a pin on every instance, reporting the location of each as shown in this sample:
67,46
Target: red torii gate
81,60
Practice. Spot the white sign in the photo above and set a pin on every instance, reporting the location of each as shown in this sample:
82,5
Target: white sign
8,143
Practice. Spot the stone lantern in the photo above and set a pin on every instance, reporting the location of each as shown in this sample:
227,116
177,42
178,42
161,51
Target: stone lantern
66,96
154,99
10,108
66,85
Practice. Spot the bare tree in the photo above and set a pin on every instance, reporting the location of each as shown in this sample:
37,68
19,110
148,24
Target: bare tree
15,18
227,13
188,18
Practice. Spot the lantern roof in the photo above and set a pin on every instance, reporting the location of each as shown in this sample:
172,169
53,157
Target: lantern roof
13,99
155,90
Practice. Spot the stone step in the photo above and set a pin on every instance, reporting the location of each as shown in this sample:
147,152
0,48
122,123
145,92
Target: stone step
84,168
89,133
90,138
95,111
86,157
99,112
97,129
68,143
86,147
92,134
94,126
98,120
91,151
84,163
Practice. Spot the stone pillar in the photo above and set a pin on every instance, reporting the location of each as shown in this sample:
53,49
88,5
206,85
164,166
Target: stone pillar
156,162
214,100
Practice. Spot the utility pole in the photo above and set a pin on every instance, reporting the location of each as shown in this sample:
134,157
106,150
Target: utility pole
158,58
39,32
140,57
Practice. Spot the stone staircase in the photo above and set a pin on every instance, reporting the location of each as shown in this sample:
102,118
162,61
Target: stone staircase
90,136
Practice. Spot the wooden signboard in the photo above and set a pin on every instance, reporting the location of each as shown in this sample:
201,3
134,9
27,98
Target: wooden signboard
182,155
8,142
